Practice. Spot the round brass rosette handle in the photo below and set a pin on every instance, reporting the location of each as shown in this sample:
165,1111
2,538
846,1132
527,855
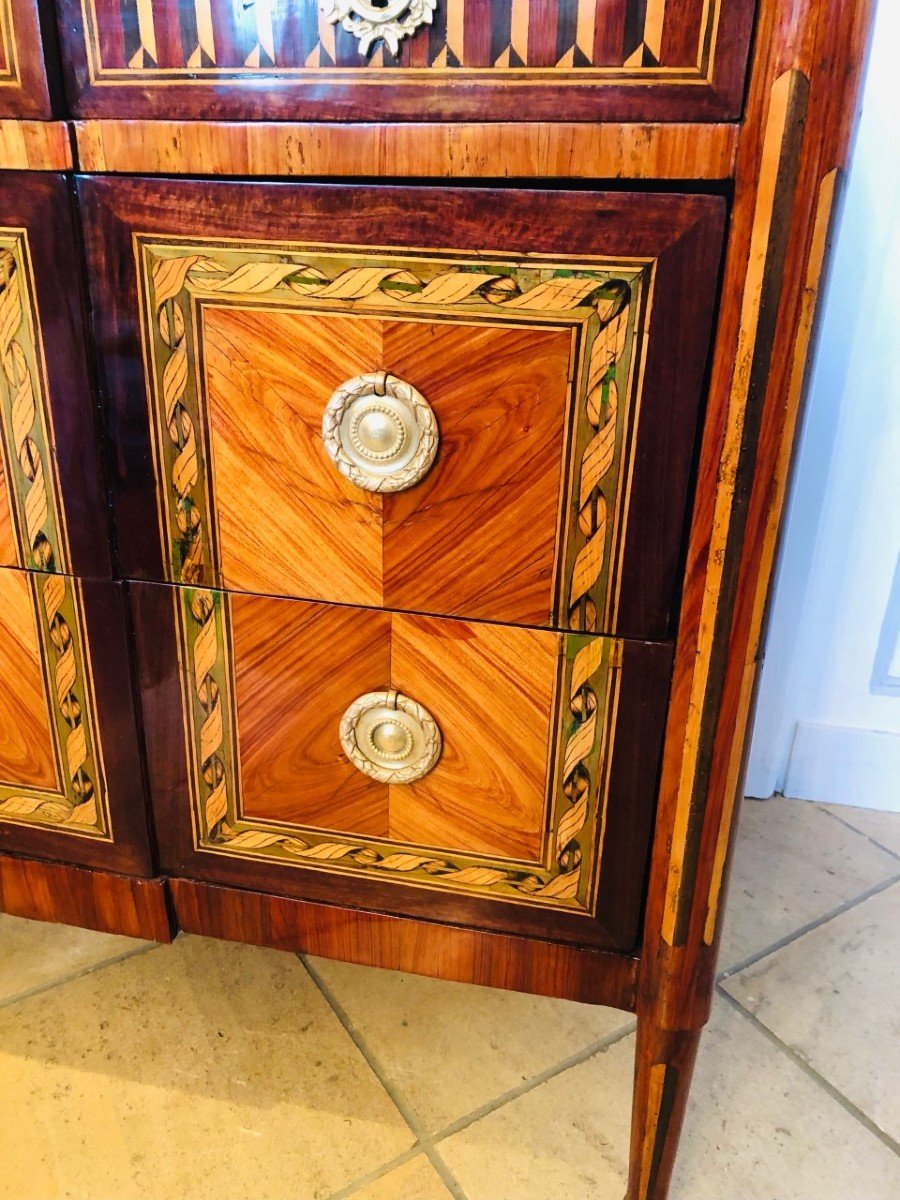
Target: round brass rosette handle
380,432
390,737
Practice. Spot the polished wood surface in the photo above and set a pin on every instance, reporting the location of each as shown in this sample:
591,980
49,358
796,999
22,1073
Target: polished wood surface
290,523
417,947
27,757
551,59
299,666
48,417
622,558
217,687
35,145
494,151
205,832
94,811
25,88
796,134
491,691
43,891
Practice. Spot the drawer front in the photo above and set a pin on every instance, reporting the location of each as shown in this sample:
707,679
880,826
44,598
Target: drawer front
70,769
24,87
533,410
429,60
490,774
53,514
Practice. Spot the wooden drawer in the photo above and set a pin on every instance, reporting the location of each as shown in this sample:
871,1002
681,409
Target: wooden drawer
71,782
25,89
53,512
547,60
562,376
536,816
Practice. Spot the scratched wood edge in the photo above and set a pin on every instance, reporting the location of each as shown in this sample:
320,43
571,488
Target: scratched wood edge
446,150
35,146
90,899
406,944
742,475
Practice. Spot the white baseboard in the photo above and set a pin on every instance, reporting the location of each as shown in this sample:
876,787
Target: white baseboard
837,765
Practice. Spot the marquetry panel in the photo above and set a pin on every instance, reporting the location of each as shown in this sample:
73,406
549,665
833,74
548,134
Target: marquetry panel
24,90
564,374
212,56
54,772
51,765
32,527
52,498
531,369
512,811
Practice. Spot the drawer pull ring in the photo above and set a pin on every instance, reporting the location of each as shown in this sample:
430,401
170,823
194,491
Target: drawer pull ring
390,737
370,21
380,432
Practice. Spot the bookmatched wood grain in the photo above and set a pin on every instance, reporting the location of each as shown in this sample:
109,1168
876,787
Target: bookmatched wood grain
680,232
100,900
552,60
299,666
523,150
487,712
26,744
476,537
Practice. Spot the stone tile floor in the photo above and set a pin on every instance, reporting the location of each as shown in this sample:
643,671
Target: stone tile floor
207,1069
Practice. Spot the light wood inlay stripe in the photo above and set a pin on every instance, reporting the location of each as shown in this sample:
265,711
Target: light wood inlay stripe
815,267
500,151
777,126
653,27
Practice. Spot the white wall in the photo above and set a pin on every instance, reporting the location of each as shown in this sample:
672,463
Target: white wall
828,719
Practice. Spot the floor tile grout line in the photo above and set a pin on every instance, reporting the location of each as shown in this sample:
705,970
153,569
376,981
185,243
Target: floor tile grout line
357,1185
406,1110
810,1071
875,842
536,1081
846,906
39,989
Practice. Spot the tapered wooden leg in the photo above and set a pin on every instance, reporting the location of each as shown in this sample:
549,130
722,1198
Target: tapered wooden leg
662,1076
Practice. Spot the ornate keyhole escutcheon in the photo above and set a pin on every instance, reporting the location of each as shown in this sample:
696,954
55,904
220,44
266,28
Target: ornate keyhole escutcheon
371,21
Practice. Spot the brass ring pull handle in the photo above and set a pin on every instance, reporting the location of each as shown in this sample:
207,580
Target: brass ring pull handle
390,737
380,432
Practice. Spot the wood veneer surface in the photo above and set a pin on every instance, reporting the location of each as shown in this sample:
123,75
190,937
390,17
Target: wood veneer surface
477,537
26,743
523,150
299,666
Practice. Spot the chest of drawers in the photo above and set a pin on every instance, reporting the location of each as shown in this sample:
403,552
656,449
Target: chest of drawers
396,409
